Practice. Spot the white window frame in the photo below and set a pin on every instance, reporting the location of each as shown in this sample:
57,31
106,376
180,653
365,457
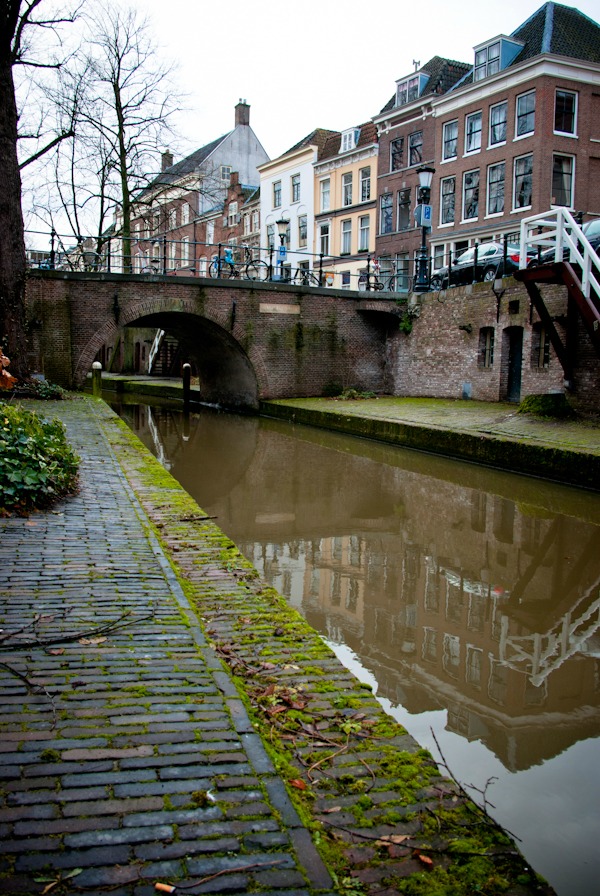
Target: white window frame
565,155
470,134
172,218
574,94
411,146
185,252
466,174
232,212
491,168
446,140
364,233
346,237
347,189
492,124
515,207
277,194
487,64
444,180
324,235
387,206
407,90
365,184
185,213
325,194
398,143
295,187
519,99
302,230
210,232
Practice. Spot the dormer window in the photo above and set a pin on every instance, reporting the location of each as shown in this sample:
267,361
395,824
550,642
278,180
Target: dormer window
495,55
349,139
410,88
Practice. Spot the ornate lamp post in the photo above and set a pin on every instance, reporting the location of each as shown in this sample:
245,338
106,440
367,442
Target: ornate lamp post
423,215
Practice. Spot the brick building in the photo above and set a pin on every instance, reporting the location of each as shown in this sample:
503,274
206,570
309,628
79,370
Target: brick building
511,134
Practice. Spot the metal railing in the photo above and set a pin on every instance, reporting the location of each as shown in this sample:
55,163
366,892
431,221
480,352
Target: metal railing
559,231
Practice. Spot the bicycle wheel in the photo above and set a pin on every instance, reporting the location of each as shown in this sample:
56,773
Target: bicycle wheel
257,270
222,269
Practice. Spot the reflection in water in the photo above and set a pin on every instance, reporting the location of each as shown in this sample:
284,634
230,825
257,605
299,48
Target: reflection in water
471,597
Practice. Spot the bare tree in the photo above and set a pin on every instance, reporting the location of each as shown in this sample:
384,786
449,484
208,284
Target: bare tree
17,19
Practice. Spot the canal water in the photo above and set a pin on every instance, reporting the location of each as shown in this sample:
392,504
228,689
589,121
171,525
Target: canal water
468,598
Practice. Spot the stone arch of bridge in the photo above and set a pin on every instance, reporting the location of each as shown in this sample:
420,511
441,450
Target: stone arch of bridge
229,376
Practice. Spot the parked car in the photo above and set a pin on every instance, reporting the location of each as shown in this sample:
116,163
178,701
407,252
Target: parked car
591,230
490,265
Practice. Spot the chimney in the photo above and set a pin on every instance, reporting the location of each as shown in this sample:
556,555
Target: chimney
242,113
167,160
234,178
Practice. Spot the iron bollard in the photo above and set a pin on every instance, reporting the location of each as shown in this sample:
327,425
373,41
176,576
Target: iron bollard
96,379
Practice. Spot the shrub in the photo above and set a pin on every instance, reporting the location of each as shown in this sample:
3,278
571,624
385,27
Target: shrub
37,465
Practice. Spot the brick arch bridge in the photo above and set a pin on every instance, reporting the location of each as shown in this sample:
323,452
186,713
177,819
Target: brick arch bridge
248,341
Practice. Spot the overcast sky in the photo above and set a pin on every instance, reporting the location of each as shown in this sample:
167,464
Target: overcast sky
315,63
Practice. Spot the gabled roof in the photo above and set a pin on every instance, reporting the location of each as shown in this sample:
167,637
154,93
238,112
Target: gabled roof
186,166
561,30
331,147
317,138
443,75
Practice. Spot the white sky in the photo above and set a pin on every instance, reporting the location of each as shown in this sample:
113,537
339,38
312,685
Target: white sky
315,63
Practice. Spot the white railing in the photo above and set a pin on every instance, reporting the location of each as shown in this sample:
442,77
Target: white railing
557,229
155,348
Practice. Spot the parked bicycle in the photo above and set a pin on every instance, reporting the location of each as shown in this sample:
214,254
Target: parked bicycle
305,277
224,267
375,281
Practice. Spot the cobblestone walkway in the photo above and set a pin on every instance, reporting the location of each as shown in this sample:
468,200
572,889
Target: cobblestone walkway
125,756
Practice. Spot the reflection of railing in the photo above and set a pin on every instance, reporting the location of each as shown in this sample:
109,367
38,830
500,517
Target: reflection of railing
158,445
540,654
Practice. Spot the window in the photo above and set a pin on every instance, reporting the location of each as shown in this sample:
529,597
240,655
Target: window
295,188
325,193
271,236
232,214
364,233
349,139
226,173
277,194
347,189
438,257
473,132
470,195
565,112
396,154
302,230
346,237
562,180
498,124
487,61
403,209
448,200
407,91
210,232
324,239
415,148
172,218
255,221
486,347
523,182
495,189
185,252
171,254
185,213
526,114
385,213
450,140
540,346
345,279
247,224
365,184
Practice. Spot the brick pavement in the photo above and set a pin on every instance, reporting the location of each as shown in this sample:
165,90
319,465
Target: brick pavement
106,762
135,759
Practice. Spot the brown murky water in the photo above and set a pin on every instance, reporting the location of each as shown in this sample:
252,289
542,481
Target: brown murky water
469,598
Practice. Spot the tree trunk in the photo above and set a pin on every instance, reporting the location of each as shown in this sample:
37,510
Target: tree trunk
12,237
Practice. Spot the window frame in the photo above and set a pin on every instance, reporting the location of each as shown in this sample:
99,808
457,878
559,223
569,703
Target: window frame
277,196
447,156
575,95
470,134
324,237
529,157
523,116
403,222
489,65
572,160
325,194
364,242
386,213
407,90
412,146
488,191
473,187
302,231
295,187
443,204
347,189
364,176
397,154
492,124
346,236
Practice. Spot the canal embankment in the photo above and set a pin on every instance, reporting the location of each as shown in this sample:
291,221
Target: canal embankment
207,733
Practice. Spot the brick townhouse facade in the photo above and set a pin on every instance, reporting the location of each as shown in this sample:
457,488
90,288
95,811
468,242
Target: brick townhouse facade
509,135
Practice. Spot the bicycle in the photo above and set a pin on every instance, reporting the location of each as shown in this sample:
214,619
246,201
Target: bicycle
224,267
374,283
305,277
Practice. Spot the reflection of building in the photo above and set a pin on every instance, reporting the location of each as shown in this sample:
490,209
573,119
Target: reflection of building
452,596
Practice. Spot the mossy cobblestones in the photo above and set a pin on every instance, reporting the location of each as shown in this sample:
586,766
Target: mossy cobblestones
212,734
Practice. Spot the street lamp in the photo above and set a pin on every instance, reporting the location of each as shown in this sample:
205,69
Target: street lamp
282,230
425,173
